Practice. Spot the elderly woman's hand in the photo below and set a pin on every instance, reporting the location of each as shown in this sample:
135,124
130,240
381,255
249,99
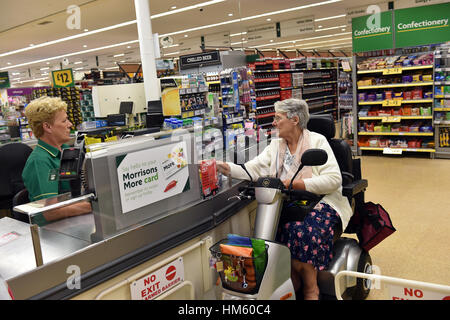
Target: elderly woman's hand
298,184
223,167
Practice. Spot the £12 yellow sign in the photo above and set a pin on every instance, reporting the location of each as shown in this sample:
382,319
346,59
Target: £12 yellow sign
63,78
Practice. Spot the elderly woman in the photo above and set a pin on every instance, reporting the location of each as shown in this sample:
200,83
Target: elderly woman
311,240
48,120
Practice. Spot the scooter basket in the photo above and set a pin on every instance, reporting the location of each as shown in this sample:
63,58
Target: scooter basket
239,273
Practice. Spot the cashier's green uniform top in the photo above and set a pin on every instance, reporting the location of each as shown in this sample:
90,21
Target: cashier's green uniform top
40,175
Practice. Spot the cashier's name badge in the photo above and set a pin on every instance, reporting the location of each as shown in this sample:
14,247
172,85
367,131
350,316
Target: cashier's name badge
53,175
175,161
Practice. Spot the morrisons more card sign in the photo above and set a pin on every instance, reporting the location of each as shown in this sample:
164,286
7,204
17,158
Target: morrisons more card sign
372,32
422,25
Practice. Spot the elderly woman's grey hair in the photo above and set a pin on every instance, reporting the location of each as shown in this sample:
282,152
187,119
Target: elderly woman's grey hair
294,107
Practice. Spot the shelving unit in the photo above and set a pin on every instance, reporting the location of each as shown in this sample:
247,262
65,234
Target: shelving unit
71,96
441,115
312,79
394,104
87,106
345,101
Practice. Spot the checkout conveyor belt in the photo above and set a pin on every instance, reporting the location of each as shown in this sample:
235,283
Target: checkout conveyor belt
58,239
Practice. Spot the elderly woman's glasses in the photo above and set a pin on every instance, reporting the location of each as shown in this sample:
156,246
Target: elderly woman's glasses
278,119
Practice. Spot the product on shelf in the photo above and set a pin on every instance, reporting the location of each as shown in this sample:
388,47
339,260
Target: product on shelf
396,61
71,96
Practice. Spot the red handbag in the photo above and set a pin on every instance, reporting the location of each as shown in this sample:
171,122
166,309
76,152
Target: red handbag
376,226
372,225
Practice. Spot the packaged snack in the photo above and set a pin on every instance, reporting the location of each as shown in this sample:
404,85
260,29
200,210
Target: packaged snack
399,62
425,128
398,96
407,95
209,177
416,78
417,94
406,110
385,112
373,142
427,77
414,127
388,95
425,111
446,89
383,143
363,112
363,141
406,79
362,96
371,97
415,111
412,143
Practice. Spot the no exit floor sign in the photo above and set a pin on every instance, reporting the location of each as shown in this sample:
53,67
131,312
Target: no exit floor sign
158,282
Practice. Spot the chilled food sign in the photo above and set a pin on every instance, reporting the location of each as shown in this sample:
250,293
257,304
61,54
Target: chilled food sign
148,176
198,60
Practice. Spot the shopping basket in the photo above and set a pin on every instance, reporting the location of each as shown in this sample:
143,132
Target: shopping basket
241,273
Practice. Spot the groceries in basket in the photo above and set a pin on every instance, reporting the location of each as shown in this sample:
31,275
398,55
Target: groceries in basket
240,261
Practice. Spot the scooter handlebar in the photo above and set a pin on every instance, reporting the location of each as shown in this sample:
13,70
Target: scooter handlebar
302,195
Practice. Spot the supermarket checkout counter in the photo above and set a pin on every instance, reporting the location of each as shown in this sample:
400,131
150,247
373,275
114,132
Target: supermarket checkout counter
145,194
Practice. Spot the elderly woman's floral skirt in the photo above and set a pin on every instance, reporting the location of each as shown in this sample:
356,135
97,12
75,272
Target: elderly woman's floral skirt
311,240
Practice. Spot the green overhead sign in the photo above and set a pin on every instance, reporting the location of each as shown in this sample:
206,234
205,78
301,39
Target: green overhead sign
402,28
422,25
4,80
368,37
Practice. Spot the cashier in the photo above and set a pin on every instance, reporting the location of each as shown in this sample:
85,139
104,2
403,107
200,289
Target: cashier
47,118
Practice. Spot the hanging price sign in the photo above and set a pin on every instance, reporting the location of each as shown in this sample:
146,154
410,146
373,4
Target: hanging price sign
392,103
63,78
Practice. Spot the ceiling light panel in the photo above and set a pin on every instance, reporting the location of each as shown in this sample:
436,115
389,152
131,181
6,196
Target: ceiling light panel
248,13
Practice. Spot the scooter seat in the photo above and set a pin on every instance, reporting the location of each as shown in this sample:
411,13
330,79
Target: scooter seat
337,228
290,214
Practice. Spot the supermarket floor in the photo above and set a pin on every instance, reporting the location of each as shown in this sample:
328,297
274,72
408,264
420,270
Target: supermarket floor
416,193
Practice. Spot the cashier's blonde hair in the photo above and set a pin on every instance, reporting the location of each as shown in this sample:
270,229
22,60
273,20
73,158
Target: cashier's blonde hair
43,110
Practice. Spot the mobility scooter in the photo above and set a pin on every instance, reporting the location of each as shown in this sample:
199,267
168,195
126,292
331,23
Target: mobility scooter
273,279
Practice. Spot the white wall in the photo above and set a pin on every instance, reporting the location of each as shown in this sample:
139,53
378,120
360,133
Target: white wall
107,99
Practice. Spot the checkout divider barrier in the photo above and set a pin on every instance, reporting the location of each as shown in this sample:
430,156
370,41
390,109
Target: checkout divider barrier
399,289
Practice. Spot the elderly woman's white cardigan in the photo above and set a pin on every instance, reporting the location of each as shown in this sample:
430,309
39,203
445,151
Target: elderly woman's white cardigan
326,179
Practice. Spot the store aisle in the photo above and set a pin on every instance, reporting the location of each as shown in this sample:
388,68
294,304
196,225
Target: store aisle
415,192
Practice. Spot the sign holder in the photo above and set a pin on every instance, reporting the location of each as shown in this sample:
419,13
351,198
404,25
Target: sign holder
63,78
413,290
